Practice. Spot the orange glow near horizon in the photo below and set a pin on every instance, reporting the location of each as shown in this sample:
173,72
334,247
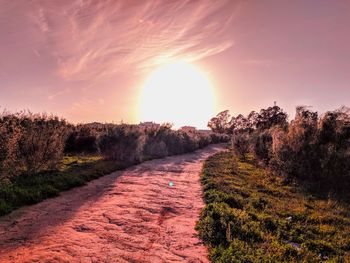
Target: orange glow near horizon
179,93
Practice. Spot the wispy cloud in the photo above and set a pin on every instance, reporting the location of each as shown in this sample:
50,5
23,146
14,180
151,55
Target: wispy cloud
41,20
90,39
59,93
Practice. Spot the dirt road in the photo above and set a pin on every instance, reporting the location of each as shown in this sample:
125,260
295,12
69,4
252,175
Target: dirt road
127,216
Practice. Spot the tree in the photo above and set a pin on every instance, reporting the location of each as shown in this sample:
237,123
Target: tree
241,124
220,123
270,117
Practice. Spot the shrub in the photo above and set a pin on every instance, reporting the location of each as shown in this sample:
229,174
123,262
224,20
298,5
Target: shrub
315,149
123,143
155,148
241,144
174,142
219,138
9,134
82,139
161,142
41,144
190,142
204,140
311,148
30,142
262,146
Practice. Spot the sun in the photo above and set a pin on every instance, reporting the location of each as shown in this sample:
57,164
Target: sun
179,93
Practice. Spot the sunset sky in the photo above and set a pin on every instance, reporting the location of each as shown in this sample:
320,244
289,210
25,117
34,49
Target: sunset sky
90,60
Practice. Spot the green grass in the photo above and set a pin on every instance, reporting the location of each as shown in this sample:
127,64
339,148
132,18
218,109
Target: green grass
73,171
252,215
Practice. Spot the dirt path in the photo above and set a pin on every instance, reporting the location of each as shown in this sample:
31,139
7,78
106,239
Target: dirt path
128,216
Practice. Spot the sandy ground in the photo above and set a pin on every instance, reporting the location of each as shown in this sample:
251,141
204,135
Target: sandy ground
127,216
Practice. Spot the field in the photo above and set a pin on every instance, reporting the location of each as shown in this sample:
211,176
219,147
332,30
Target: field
253,215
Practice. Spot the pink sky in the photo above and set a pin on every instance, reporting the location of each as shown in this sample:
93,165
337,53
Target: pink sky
87,60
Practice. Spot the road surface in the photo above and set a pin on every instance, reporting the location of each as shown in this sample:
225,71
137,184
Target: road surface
128,216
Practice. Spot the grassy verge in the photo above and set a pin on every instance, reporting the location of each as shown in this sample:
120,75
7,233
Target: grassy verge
254,216
74,171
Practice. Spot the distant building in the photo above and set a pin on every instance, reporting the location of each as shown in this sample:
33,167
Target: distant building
149,125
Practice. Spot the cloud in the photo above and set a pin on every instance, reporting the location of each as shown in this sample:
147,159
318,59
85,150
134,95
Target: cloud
90,39
41,20
59,93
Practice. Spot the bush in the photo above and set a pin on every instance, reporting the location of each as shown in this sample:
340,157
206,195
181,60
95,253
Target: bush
296,152
9,134
241,144
311,148
174,142
161,142
123,143
30,143
41,144
155,149
315,149
219,138
262,146
82,139
204,140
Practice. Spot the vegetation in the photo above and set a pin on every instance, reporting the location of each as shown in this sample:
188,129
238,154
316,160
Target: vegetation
254,215
315,150
311,149
41,155
73,171
30,143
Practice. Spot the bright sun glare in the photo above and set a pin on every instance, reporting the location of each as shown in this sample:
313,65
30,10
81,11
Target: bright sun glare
179,93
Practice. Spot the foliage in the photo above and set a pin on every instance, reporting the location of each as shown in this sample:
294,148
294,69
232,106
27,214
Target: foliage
122,143
131,144
220,123
36,149
262,146
251,215
270,117
241,144
219,138
9,135
316,150
311,148
265,119
241,124
30,143
82,139
72,172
